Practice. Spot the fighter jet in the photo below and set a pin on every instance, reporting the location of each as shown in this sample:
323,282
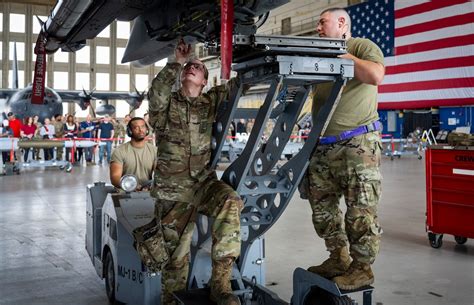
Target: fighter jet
158,24
19,100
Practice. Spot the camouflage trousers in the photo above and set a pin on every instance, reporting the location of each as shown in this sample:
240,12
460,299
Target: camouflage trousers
59,153
213,198
351,169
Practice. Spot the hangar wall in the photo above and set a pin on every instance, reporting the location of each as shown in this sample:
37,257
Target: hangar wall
95,66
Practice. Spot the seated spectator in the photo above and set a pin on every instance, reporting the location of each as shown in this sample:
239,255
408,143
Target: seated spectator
6,132
27,132
47,132
70,132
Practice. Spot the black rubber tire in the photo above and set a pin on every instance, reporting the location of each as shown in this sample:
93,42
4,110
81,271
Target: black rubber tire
318,296
109,276
460,240
435,242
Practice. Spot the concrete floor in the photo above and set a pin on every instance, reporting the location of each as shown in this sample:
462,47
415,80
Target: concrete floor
43,259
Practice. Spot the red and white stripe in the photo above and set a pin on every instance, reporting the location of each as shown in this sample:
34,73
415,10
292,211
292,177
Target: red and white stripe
434,61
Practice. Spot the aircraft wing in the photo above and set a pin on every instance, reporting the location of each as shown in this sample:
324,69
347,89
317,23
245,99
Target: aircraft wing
158,24
83,99
74,95
7,93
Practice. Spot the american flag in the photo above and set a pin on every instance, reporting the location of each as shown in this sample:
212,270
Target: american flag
428,48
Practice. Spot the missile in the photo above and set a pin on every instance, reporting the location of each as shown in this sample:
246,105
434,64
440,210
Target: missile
40,144
6,144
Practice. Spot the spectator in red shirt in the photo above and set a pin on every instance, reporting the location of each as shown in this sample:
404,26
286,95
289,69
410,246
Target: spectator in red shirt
15,124
27,132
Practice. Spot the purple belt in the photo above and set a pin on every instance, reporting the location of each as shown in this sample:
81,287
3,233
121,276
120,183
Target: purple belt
345,135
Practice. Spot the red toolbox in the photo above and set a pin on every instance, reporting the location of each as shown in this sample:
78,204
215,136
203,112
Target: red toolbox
449,193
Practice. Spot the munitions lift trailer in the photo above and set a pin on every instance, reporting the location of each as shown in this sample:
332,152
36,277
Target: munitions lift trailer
11,168
291,64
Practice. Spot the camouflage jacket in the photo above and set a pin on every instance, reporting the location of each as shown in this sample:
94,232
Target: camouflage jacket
58,128
183,129
119,129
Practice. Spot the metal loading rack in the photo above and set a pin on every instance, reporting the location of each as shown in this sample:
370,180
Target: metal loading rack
254,45
294,65
265,187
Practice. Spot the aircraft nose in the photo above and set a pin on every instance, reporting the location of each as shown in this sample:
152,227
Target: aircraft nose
105,109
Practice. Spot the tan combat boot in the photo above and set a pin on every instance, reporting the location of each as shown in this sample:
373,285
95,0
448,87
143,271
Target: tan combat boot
337,264
357,276
221,290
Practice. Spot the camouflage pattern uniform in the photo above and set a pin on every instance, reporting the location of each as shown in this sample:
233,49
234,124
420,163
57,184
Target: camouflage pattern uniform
59,133
184,184
119,134
37,136
351,169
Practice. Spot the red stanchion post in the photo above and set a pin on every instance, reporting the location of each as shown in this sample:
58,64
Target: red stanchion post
73,150
12,151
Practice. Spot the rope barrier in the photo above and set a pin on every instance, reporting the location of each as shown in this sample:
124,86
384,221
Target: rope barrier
74,145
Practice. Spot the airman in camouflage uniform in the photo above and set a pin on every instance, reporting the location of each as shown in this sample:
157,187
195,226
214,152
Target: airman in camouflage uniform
37,136
59,133
347,163
184,184
119,131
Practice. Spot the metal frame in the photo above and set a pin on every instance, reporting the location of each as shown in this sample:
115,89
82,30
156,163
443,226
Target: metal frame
265,189
304,280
